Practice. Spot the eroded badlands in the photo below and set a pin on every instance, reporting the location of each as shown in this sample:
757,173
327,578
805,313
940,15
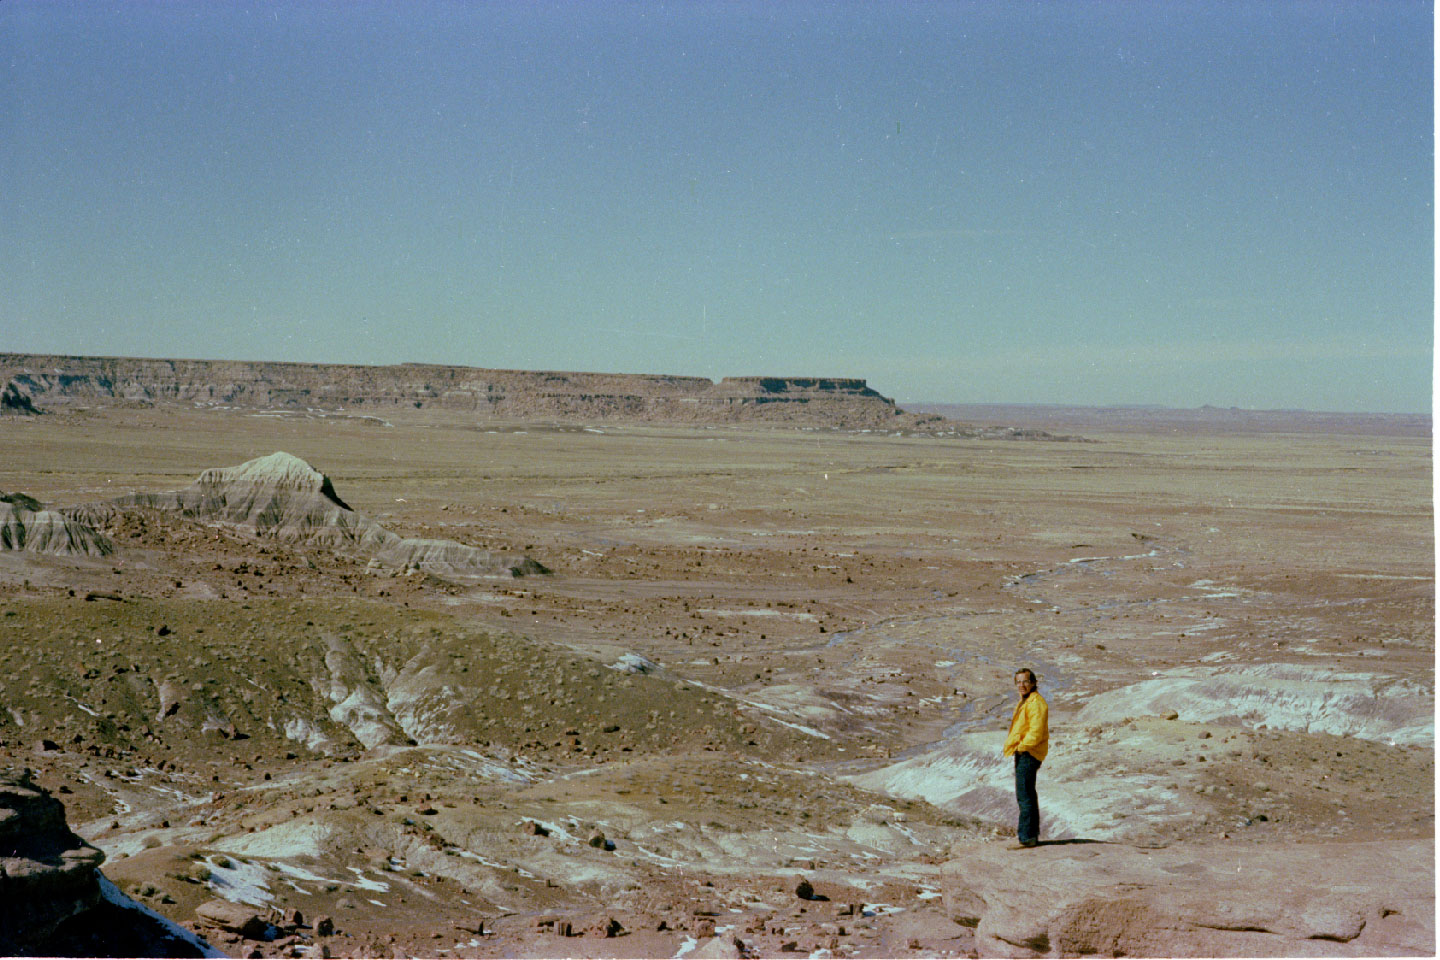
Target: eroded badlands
763,660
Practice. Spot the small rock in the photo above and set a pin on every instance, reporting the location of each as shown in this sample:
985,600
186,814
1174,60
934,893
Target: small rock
704,927
804,890
324,926
1172,715
534,829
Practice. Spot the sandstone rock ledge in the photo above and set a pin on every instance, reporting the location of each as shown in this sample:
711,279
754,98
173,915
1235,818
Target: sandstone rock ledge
53,899
47,874
1070,899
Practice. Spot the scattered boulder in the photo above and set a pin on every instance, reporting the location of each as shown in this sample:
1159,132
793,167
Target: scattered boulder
171,695
603,926
720,948
558,926
232,918
634,663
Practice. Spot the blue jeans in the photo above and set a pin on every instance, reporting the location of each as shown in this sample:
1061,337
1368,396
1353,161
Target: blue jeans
1026,767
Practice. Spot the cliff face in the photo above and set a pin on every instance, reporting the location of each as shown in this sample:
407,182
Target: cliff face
53,381
47,874
54,902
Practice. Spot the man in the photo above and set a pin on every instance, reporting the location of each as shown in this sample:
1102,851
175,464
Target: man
1029,741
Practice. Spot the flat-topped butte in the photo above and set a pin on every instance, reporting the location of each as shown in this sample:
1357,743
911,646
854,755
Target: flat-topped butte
56,381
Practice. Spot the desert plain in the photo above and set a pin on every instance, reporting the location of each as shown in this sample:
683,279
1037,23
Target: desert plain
756,704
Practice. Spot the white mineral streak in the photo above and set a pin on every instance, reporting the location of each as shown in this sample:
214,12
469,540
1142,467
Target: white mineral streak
1313,699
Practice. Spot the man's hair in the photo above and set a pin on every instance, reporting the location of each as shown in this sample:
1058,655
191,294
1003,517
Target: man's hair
1029,673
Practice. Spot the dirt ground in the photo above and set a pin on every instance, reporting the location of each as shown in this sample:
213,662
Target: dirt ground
762,656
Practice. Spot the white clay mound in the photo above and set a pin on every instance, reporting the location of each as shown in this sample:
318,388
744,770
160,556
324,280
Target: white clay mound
26,525
281,497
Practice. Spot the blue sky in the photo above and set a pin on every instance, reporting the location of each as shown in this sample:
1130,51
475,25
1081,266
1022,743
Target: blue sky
1174,203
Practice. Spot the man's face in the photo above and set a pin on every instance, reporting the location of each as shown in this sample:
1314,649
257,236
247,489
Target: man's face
1023,686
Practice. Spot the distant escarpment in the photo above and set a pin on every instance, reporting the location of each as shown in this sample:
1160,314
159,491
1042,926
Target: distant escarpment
53,382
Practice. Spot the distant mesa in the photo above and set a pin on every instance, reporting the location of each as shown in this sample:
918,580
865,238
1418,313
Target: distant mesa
25,524
60,381
281,497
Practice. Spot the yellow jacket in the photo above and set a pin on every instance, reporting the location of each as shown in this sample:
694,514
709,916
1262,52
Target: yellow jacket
1030,728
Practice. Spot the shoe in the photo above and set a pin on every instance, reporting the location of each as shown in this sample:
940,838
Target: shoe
1023,845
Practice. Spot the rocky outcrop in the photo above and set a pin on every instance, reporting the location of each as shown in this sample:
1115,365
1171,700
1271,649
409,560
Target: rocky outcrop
1284,696
47,874
54,900
25,524
281,497
1081,898
483,393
